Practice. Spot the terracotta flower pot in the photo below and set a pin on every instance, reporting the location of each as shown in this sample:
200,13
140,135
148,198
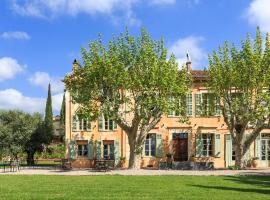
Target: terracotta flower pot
122,163
254,163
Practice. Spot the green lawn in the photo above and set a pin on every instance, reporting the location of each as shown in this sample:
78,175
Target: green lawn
130,187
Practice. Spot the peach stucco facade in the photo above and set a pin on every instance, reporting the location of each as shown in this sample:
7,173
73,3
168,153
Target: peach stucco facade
217,148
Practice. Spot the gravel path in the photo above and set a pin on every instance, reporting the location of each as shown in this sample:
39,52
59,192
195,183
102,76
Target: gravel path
141,172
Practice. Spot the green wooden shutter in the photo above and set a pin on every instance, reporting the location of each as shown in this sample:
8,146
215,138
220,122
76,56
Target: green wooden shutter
116,153
189,104
199,146
90,150
198,101
114,125
100,123
159,145
229,148
258,147
74,123
98,149
217,145
72,150
217,106
88,125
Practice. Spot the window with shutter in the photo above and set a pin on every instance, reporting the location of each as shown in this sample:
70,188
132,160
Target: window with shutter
117,153
90,150
98,149
159,145
106,124
217,106
258,147
198,101
150,145
72,150
74,123
198,144
80,124
217,145
189,104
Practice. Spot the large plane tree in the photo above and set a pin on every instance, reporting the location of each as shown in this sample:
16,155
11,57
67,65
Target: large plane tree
241,78
132,81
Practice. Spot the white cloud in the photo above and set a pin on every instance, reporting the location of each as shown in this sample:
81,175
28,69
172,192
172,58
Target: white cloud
118,10
43,79
189,45
18,35
163,2
258,14
9,67
16,100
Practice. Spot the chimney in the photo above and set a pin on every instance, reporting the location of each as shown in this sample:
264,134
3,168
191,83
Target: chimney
188,64
75,65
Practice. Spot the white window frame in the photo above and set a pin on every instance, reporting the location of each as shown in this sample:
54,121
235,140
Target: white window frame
107,124
189,107
80,124
209,146
149,141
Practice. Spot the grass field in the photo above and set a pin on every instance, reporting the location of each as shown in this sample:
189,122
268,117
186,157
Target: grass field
134,187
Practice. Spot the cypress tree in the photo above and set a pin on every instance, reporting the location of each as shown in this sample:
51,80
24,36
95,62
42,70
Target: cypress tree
63,119
48,121
63,111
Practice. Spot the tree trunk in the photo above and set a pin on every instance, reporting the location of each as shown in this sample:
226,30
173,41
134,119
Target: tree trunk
239,156
30,158
135,154
134,160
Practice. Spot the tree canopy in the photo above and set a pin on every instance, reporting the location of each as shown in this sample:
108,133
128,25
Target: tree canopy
241,78
132,81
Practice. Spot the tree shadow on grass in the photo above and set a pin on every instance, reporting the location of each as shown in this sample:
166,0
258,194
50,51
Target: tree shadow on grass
260,181
261,184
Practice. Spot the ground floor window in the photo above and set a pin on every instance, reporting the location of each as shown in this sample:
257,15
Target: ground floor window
207,144
150,145
82,149
233,155
265,149
108,149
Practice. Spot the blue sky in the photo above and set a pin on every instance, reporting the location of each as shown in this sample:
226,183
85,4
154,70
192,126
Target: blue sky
40,38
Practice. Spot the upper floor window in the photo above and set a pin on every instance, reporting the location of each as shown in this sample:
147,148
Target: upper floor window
207,105
106,124
186,101
80,124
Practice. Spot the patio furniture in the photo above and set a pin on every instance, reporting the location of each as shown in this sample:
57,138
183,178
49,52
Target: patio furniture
14,165
4,164
104,165
66,164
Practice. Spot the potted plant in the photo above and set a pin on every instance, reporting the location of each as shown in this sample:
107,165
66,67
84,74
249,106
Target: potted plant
169,157
254,162
122,161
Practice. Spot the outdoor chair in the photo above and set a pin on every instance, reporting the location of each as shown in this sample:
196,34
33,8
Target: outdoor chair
14,166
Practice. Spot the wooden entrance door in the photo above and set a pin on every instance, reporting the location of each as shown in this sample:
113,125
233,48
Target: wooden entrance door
180,149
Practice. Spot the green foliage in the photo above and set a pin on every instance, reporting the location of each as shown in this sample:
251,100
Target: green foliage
241,78
48,121
131,76
63,111
54,151
16,129
63,119
130,71
234,167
